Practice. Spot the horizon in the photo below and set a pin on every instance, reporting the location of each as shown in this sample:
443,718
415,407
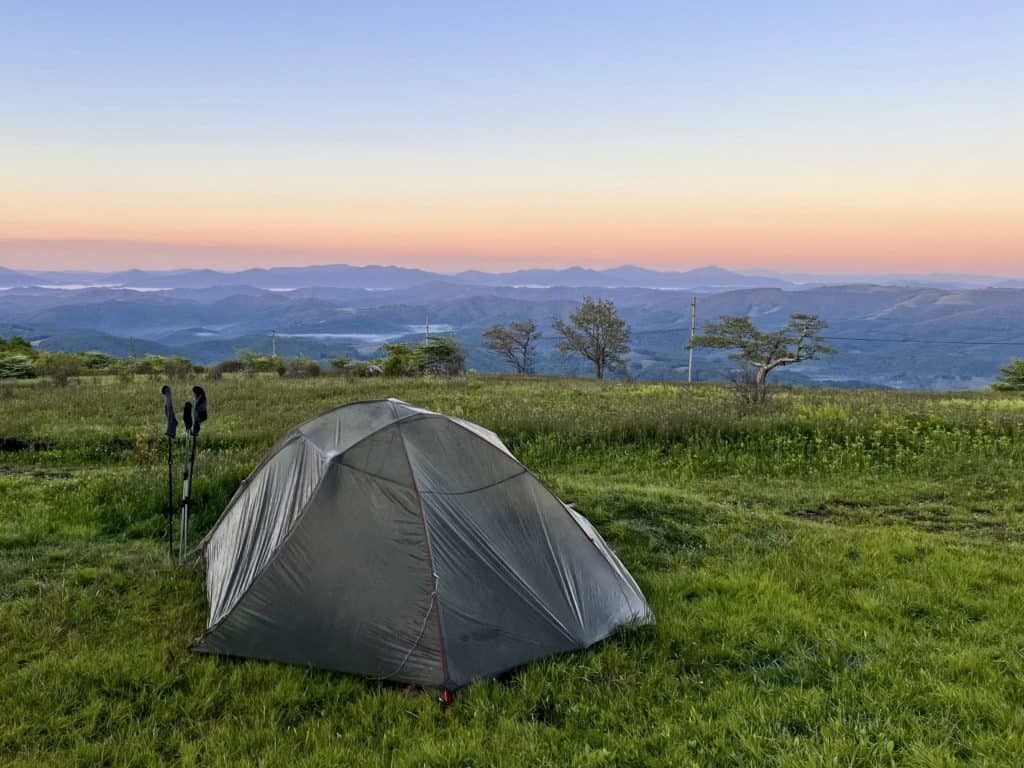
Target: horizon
790,138
261,263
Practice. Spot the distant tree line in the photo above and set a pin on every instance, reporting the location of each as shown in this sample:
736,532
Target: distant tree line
437,356
20,360
594,331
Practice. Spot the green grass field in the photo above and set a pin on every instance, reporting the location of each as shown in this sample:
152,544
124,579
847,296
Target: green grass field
837,581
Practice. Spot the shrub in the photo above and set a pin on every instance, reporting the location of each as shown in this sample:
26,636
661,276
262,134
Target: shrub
100,363
158,366
365,368
17,366
228,366
253,363
1011,378
400,360
16,345
302,368
59,366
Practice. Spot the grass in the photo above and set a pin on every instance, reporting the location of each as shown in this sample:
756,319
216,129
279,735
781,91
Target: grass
836,579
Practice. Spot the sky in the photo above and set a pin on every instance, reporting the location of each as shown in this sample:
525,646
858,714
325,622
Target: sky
792,136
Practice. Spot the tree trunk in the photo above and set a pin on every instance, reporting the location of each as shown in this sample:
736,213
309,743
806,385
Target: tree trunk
762,386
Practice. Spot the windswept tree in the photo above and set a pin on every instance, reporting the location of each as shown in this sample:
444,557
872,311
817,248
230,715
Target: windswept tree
1011,378
516,342
761,352
596,332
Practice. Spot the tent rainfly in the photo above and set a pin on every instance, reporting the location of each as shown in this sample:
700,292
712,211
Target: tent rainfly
389,541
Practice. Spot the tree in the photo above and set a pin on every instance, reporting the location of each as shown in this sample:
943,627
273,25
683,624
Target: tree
596,332
440,356
400,360
1011,378
762,352
516,342
340,363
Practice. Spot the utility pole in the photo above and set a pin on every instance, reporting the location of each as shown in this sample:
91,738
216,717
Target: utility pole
426,329
273,343
693,330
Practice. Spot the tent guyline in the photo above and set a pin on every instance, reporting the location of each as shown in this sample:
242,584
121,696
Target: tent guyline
370,523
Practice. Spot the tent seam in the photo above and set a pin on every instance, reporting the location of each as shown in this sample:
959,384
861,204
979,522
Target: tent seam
296,433
273,556
427,547
561,503
542,483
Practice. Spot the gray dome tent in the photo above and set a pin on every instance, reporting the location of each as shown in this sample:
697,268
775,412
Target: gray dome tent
386,540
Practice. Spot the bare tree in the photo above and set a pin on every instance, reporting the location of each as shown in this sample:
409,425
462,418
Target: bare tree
596,332
762,352
516,342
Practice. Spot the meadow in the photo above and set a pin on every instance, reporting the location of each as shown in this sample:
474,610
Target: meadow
837,581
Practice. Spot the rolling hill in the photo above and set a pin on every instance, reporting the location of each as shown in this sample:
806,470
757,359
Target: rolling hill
897,336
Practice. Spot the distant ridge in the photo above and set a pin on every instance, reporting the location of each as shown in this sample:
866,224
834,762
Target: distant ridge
11,279
376,277
704,278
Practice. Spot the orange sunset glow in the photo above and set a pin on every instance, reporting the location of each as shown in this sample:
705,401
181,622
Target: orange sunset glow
855,155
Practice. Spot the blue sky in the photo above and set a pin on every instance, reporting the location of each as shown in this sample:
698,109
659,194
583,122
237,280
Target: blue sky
574,132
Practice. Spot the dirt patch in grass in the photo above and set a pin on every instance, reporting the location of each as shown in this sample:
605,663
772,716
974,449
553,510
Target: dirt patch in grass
825,512
17,444
817,515
43,474
931,518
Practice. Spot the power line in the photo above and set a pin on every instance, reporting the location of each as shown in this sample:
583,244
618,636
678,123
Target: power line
963,342
928,341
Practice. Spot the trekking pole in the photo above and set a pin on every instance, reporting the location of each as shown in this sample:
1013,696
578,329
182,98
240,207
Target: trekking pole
186,484
194,416
171,432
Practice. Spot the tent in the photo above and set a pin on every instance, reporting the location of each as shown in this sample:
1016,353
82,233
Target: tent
389,541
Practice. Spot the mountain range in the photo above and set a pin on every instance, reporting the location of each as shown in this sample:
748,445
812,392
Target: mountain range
376,277
919,336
